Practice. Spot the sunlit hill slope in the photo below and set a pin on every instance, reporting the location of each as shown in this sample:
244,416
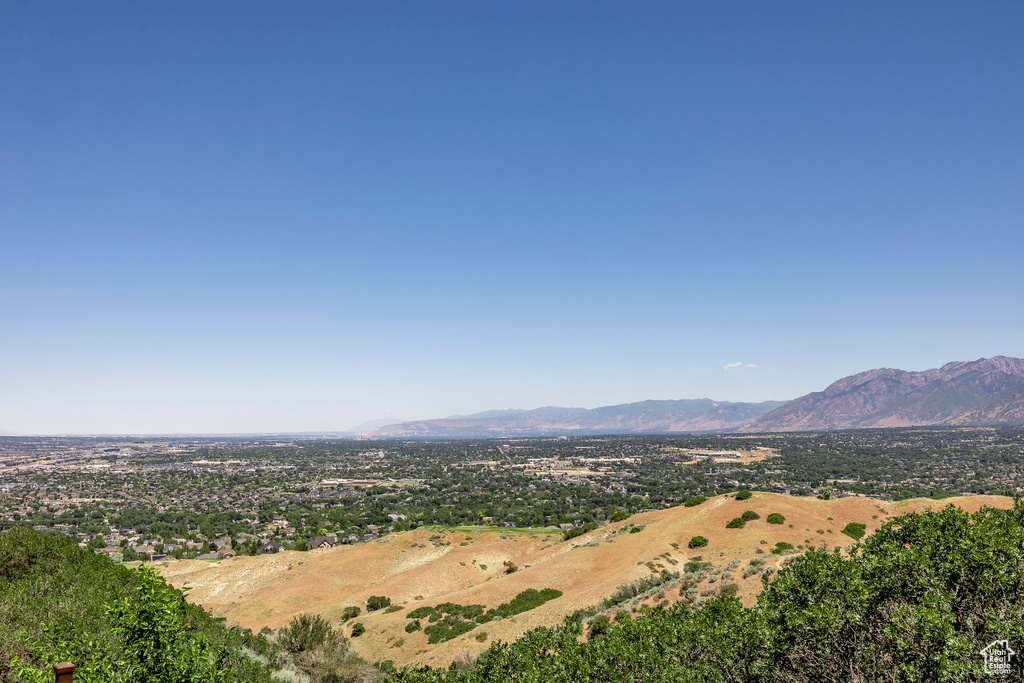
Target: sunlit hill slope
467,566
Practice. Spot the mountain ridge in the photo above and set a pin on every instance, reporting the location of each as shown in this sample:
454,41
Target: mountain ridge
983,392
651,416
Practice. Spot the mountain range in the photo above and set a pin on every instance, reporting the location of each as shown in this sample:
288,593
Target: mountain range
985,392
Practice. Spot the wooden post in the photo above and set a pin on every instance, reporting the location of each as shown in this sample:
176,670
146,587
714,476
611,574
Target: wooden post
63,672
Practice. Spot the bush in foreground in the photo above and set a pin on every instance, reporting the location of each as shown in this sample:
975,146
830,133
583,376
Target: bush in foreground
698,542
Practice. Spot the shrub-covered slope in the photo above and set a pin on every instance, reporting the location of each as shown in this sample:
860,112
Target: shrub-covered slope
59,602
917,601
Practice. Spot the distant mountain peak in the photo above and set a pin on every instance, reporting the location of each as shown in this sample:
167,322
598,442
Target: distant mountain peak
958,393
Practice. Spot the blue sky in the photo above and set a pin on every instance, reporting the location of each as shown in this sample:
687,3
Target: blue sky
220,217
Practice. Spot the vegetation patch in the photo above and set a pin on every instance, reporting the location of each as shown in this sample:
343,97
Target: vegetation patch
376,602
530,598
743,495
696,500
855,530
750,516
737,523
698,542
450,620
775,518
447,628
578,531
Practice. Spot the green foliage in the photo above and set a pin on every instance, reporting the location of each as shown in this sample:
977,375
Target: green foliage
750,516
350,613
578,531
376,602
743,495
305,632
61,603
696,500
855,530
420,613
729,590
698,542
319,650
600,625
781,548
628,591
736,523
412,626
358,629
528,599
775,518
618,516
447,628
635,529
392,609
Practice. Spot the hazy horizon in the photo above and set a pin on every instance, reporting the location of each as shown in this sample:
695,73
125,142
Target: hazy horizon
255,218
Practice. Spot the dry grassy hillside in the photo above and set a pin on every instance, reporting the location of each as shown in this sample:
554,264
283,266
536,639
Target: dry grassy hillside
426,567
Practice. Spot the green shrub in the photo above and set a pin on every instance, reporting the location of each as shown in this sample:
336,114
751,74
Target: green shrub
480,637
619,516
350,613
578,531
697,565
743,495
781,548
526,600
358,629
600,625
855,530
698,542
775,518
305,632
737,523
420,613
376,602
696,500
729,590
750,516
392,609
636,529
412,626
446,629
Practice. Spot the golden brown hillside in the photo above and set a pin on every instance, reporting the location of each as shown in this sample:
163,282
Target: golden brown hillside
430,566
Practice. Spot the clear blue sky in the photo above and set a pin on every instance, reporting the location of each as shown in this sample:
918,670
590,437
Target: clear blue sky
297,216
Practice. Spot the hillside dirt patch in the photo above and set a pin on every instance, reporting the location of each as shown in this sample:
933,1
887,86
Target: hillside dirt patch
413,570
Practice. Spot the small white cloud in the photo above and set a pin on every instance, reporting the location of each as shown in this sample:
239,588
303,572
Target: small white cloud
738,364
